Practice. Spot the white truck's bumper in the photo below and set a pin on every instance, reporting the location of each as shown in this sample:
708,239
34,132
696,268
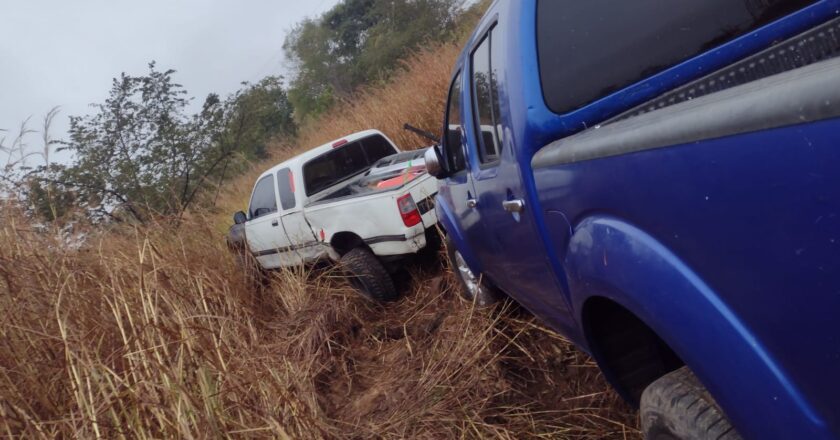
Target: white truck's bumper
412,242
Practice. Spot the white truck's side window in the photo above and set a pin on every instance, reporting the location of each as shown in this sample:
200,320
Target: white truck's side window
263,201
286,187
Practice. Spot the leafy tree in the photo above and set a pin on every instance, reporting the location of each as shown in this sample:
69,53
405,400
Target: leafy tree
358,41
48,198
259,112
141,153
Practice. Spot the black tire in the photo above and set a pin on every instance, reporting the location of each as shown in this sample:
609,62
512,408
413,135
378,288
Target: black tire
485,296
677,406
367,275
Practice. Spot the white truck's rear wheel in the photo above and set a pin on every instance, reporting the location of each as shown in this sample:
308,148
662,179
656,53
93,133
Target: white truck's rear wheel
367,275
677,407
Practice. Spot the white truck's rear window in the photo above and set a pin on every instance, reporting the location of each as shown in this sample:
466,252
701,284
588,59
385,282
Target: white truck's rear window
344,162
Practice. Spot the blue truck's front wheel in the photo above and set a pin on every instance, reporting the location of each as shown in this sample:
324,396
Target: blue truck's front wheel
473,287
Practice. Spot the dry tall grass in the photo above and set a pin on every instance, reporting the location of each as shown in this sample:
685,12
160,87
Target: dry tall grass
416,95
156,333
149,334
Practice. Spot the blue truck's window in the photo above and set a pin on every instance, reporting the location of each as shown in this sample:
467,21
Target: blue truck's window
496,62
263,201
453,147
589,49
486,100
286,187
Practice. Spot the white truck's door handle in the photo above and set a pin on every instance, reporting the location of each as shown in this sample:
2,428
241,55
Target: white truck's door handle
274,222
472,203
517,205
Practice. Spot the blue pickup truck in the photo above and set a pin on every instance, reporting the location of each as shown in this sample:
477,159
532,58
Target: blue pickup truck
659,180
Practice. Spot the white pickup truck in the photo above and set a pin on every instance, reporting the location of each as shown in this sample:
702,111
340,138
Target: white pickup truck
357,201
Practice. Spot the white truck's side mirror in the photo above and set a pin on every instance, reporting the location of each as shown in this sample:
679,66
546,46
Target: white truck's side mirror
239,217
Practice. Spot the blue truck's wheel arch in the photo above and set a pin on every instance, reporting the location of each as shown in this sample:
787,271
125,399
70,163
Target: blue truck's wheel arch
610,259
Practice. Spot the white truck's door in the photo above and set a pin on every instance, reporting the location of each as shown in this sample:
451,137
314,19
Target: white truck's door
300,244
264,231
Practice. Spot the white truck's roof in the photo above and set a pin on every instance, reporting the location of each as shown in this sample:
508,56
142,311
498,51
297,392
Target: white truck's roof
298,161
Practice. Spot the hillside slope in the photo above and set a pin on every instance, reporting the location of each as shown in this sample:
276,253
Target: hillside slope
155,332
538,371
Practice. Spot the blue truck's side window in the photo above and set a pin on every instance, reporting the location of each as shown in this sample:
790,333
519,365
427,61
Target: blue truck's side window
264,200
486,101
589,49
453,146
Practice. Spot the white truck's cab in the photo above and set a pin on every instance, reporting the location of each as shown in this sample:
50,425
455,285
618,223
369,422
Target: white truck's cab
358,193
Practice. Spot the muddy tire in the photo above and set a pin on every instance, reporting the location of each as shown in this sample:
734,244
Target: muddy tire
367,275
472,287
677,406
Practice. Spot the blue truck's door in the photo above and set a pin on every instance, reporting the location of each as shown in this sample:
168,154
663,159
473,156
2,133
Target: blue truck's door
511,249
458,193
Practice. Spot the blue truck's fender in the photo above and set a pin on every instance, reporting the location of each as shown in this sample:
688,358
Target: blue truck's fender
608,258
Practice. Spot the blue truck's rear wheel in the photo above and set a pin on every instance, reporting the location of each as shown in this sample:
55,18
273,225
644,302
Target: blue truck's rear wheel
677,406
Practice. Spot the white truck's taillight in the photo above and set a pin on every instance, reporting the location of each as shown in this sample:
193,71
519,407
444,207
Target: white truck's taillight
408,210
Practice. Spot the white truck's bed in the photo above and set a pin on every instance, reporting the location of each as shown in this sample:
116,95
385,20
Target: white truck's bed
376,217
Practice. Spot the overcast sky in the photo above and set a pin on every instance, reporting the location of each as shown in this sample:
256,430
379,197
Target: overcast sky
64,53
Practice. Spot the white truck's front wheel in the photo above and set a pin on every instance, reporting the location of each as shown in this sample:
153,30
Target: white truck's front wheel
367,275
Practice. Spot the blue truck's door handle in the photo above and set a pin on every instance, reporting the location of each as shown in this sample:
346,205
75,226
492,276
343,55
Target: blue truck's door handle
517,205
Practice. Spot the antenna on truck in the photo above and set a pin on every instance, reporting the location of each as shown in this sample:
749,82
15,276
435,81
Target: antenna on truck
424,133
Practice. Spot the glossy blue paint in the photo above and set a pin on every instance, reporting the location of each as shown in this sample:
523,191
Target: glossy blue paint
676,299
450,221
739,265
729,248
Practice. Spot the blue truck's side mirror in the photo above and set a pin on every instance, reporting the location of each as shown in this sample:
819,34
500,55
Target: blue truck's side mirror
239,217
434,165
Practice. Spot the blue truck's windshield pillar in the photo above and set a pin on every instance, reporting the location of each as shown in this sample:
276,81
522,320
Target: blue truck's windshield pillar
453,143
